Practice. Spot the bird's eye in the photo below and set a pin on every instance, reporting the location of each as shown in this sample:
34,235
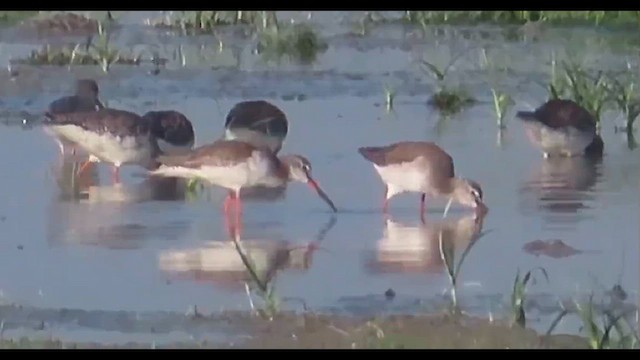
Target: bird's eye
306,167
476,194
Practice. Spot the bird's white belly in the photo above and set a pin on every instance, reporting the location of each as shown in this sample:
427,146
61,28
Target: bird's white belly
403,177
114,149
553,141
255,171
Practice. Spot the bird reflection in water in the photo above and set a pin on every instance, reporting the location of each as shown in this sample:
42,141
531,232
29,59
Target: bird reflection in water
416,248
238,262
85,186
561,187
107,221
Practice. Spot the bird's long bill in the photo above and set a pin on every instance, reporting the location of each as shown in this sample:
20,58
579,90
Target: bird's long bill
314,185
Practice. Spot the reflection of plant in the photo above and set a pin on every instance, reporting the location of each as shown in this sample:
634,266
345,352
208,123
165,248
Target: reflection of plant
263,283
518,296
447,253
262,286
600,336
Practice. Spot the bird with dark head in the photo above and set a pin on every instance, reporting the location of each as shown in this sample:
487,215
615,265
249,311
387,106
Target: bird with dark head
114,136
423,167
562,127
85,99
173,131
257,122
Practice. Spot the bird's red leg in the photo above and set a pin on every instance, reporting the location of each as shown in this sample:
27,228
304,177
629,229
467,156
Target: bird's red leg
385,202
422,206
83,167
238,210
115,174
228,202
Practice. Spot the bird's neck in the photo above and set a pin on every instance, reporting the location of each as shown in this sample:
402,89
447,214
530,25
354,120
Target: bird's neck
279,174
452,185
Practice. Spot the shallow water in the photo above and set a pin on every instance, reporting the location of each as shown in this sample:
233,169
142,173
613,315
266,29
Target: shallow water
145,249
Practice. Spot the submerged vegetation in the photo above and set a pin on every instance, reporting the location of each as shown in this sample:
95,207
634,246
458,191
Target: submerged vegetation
206,22
598,91
99,52
13,17
274,40
448,99
618,18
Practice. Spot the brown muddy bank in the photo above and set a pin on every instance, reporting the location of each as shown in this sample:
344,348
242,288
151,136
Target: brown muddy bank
314,331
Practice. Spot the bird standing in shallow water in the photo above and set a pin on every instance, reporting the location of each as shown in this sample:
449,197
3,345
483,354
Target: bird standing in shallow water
562,127
172,130
414,166
115,136
234,165
85,99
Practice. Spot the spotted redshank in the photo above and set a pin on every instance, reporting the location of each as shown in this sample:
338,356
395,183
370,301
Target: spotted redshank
234,165
424,167
257,122
85,99
173,131
562,128
114,136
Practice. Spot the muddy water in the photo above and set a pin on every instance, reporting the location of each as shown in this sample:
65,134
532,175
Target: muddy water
134,257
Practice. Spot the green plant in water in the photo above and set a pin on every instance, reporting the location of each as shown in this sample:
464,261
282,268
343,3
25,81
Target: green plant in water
502,101
622,93
447,100
298,41
519,294
451,101
389,95
193,188
100,53
599,335
575,83
425,18
103,52
13,17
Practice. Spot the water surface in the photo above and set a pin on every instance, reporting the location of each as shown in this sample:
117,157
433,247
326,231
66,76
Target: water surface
146,249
